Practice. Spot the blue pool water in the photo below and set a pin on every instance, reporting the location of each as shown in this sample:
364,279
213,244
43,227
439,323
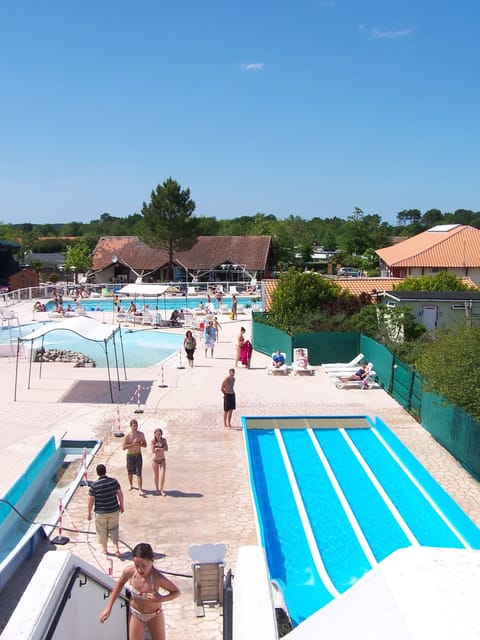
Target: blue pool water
142,348
332,503
167,304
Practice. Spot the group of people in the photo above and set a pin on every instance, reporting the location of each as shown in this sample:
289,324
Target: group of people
210,338
106,500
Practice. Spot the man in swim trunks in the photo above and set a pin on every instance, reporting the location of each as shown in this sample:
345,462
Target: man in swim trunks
229,403
133,443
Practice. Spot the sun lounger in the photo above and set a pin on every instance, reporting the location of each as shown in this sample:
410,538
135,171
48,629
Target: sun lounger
340,373
300,362
272,369
343,365
366,383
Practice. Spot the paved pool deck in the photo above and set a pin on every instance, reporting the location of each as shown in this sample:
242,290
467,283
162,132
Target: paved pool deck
208,498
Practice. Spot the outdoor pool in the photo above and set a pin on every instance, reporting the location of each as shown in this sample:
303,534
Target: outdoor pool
142,348
334,496
154,304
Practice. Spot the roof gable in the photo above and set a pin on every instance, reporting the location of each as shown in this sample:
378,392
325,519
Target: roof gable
443,246
250,252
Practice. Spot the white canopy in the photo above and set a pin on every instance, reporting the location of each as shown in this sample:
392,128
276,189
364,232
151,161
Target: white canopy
85,327
143,289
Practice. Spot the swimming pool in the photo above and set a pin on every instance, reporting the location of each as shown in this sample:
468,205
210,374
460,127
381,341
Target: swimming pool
167,304
142,348
335,496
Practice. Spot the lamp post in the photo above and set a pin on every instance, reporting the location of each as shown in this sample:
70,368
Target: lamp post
73,270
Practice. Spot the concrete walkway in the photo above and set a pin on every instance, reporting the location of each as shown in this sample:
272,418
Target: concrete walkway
208,497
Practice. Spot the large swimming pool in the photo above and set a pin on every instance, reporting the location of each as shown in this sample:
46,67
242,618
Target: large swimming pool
335,496
160,303
142,348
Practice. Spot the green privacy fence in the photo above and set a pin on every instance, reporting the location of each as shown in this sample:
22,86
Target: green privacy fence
455,429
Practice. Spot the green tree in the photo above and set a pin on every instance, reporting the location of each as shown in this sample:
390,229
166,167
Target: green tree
297,297
431,217
167,221
442,281
79,257
445,363
389,326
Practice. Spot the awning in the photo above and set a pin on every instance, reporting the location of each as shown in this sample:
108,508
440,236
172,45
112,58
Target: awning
87,328
143,289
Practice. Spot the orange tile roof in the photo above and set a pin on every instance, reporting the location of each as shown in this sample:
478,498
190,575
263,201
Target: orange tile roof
355,286
454,246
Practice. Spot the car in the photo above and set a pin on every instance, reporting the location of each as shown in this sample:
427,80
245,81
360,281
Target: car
350,272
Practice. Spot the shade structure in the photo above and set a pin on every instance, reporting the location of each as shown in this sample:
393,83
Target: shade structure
144,289
86,328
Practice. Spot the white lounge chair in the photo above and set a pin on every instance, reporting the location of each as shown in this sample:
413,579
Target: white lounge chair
300,361
224,309
343,365
338,373
272,369
366,383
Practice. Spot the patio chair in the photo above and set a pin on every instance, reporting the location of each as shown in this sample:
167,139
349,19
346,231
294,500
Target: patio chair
343,365
300,361
272,369
208,574
365,383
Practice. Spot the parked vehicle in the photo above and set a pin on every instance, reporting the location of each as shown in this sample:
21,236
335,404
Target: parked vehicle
350,271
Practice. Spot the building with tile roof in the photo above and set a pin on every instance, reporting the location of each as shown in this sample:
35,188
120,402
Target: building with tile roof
454,248
211,259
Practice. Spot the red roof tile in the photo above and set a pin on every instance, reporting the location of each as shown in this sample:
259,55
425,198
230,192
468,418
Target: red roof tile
444,246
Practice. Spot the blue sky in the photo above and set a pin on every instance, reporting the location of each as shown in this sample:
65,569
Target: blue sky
306,107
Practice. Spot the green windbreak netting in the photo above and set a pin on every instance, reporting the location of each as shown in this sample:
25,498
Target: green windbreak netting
455,429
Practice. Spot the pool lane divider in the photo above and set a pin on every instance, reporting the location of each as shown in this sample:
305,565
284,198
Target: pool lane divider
383,494
307,527
422,490
343,501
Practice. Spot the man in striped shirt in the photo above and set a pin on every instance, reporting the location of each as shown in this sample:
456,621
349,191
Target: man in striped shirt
106,499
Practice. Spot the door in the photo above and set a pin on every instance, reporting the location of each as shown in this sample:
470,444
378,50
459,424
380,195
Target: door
430,316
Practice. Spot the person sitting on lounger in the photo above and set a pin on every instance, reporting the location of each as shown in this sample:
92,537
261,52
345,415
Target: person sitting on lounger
361,374
301,360
278,360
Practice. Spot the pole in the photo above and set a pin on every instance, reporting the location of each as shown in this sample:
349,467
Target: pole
60,539
162,385
138,410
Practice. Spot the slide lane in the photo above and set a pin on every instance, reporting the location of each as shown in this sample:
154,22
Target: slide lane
421,514
382,526
290,558
344,550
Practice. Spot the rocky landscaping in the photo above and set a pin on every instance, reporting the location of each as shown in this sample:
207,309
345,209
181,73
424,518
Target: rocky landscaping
64,355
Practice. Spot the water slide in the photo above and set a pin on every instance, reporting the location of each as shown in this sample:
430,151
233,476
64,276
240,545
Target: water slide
333,503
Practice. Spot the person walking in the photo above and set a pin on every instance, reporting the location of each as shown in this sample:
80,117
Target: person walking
210,338
190,344
159,446
144,583
239,345
105,498
229,401
132,444
234,311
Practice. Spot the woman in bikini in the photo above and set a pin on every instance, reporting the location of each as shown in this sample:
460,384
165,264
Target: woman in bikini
144,584
158,447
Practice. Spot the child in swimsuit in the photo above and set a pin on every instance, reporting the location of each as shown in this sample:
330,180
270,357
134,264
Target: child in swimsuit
144,582
159,446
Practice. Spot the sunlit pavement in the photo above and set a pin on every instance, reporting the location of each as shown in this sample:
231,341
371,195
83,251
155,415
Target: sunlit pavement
208,498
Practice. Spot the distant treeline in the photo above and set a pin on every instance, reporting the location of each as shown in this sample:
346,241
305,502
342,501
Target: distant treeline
356,235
